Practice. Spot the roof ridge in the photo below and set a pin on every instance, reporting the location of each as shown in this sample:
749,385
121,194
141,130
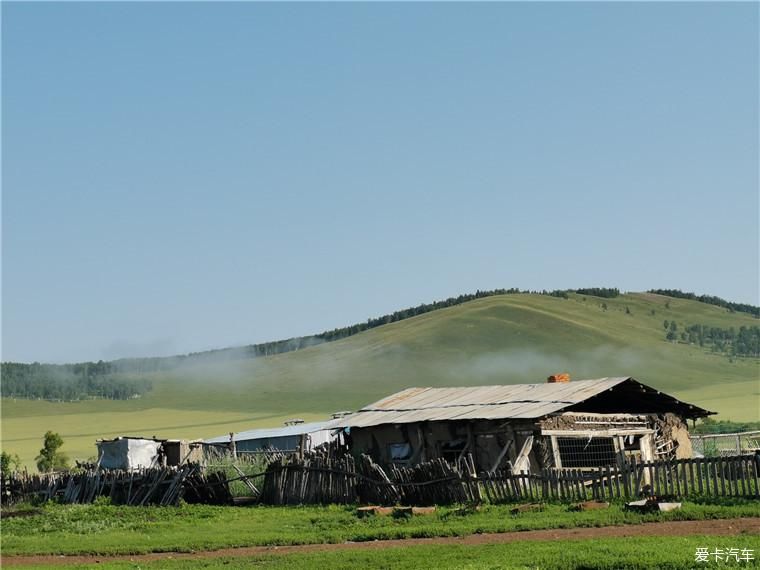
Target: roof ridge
471,404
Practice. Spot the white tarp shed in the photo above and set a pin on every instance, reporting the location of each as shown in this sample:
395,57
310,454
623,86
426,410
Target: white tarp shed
128,452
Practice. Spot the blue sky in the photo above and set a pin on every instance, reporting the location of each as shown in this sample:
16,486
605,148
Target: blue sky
178,177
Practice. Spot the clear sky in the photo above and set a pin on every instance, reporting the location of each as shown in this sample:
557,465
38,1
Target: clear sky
178,177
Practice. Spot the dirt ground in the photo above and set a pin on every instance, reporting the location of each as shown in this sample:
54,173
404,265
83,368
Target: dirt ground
725,527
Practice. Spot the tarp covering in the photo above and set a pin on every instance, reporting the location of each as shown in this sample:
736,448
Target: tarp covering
127,453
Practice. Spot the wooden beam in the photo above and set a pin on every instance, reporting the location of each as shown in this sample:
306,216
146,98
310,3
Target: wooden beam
501,455
594,432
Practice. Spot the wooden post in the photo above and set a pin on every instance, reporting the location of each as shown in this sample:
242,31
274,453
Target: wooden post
555,450
647,455
233,447
699,476
301,445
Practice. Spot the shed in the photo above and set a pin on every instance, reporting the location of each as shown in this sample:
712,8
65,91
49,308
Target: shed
580,424
180,451
128,452
297,436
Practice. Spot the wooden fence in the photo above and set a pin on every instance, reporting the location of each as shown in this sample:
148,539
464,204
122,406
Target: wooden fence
737,476
438,482
343,480
316,480
153,486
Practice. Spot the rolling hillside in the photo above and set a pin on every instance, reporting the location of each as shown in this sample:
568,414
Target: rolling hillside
501,339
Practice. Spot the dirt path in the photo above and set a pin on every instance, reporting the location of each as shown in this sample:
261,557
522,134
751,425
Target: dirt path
723,527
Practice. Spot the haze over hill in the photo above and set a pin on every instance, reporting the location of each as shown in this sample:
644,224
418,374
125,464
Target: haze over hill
503,339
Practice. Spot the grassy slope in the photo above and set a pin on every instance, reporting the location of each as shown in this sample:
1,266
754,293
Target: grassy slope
505,339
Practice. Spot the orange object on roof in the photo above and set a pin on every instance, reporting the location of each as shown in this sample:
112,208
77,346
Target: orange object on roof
558,378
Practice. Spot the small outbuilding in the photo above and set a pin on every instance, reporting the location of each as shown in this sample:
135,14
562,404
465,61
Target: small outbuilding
560,424
129,452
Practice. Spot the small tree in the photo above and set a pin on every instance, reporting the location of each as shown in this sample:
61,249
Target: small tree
9,463
666,324
50,458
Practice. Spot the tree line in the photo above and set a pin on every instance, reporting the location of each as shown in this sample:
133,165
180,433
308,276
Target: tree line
68,381
606,292
742,342
710,300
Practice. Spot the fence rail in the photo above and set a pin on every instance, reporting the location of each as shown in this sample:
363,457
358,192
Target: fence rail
726,444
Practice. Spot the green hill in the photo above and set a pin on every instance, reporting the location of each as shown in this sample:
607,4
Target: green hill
503,339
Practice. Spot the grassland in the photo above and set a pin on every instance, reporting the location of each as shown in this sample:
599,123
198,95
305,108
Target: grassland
102,529
663,553
505,339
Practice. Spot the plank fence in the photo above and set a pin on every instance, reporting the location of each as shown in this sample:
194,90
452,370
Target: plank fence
737,476
345,480
316,480
439,482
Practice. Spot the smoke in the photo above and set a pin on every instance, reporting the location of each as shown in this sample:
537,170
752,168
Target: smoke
533,366
395,366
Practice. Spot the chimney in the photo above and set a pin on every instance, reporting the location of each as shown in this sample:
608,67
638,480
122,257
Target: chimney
557,378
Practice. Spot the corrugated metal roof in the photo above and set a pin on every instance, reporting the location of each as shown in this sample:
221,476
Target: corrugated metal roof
285,431
517,401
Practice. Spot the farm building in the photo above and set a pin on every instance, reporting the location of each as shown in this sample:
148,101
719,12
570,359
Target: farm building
293,437
140,452
558,424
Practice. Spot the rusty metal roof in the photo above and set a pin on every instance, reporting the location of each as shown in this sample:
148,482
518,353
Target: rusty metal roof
517,401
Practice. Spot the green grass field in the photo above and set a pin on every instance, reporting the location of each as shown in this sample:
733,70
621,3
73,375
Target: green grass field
497,340
639,553
103,529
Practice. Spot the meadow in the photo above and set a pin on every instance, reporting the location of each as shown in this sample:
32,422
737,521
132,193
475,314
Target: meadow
505,339
104,529
637,553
